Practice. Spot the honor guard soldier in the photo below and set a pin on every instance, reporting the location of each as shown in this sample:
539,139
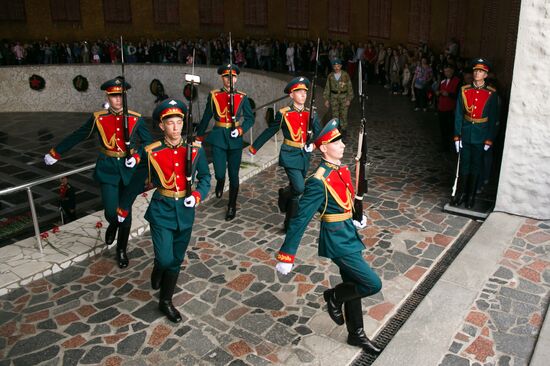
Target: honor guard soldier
110,170
338,94
226,136
475,129
171,212
295,152
330,192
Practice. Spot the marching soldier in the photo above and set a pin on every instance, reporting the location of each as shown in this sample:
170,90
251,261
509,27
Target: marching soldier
111,168
171,212
475,129
330,192
295,152
226,141
338,94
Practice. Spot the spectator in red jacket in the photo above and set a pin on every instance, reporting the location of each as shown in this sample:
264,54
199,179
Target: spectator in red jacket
447,94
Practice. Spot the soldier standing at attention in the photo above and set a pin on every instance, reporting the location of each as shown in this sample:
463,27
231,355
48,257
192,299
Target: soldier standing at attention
330,192
171,212
295,152
475,129
226,141
338,94
111,169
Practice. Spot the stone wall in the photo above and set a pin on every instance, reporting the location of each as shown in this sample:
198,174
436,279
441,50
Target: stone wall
59,95
524,187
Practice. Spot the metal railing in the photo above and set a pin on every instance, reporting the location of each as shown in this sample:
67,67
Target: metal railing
28,186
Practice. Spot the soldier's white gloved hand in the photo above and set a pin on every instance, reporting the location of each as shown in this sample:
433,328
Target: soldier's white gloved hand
130,162
190,201
486,147
362,224
234,134
284,268
458,145
120,218
308,148
49,160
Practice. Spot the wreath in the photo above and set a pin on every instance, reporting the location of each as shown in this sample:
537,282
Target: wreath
37,82
80,83
157,89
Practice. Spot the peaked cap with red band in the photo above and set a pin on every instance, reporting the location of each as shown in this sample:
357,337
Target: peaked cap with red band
114,86
224,69
329,133
169,108
298,83
481,64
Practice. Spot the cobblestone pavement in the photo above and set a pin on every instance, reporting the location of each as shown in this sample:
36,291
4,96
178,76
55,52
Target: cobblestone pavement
236,309
504,322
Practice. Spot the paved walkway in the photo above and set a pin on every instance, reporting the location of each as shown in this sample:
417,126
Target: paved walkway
236,309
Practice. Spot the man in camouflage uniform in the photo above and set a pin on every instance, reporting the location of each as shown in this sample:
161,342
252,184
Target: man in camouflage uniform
338,94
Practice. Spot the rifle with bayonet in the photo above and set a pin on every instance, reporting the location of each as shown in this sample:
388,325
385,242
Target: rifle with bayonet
192,79
309,138
361,168
124,103
231,112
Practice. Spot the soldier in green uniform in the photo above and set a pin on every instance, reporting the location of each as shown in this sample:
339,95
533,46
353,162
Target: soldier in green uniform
226,141
171,212
330,192
111,169
475,130
338,94
295,151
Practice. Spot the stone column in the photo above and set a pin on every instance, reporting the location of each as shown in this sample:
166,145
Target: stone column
524,186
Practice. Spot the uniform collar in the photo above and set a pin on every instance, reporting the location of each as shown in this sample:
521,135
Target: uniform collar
179,144
112,111
296,109
479,87
331,165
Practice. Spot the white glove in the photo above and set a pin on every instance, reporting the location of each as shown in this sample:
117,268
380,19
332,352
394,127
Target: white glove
190,201
486,147
308,148
234,134
458,145
49,160
130,162
362,224
121,218
284,268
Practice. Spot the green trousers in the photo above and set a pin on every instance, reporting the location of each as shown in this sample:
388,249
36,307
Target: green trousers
471,159
354,268
227,159
170,246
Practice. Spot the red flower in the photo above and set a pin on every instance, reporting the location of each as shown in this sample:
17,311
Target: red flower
55,229
144,194
44,235
98,225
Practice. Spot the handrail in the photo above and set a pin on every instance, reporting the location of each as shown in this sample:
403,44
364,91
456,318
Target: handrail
28,186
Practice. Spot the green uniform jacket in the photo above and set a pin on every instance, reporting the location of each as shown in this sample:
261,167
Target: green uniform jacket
336,239
476,104
338,88
289,156
168,212
219,136
108,170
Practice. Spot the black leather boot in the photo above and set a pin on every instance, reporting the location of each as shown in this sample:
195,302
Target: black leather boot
335,298
284,195
291,211
219,187
110,234
169,280
354,323
121,245
156,276
461,192
232,205
472,187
